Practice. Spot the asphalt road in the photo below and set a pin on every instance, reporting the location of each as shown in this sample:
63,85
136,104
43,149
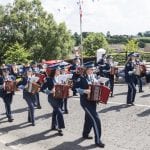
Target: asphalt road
123,127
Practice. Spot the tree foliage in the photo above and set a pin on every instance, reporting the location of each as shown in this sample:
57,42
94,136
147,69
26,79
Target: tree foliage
131,46
93,42
26,22
17,54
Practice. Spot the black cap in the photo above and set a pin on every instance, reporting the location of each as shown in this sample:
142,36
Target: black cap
89,64
55,67
131,54
109,57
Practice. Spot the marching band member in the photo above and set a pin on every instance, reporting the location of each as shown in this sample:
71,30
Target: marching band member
105,71
28,96
109,73
7,95
1,84
91,116
35,70
130,78
14,70
73,70
101,65
49,88
65,100
138,64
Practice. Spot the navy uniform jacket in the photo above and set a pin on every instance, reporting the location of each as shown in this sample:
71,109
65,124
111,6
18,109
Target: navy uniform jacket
129,68
1,80
26,94
83,84
73,68
23,81
49,84
1,86
106,70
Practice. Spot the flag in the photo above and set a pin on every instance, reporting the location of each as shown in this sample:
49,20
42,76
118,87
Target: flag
80,11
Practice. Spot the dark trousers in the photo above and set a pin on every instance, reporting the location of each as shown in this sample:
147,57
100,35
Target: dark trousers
74,88
131,92
111,83
64,105
37,100
57,116
30,99
8,101
139,82
91,120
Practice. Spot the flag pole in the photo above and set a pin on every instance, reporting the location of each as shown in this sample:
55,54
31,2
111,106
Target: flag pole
81,37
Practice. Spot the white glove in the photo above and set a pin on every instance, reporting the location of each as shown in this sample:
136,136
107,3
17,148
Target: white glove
130,72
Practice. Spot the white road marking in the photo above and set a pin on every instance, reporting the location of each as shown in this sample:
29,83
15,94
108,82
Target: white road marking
139,105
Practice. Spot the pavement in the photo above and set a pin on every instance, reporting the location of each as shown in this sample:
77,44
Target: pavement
123,127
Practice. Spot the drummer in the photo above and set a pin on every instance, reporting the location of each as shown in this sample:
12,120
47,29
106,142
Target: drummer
91,116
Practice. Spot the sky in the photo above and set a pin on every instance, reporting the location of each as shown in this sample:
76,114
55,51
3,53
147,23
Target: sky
117,16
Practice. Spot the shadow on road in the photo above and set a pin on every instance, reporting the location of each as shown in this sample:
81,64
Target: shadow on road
147,95
43,117
2,119
114,108
14,127
17,111
33,138
73,145
123,93
144,113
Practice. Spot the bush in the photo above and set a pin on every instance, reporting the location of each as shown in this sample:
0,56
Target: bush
119,57
146,56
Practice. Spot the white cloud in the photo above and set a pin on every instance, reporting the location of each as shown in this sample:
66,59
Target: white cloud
116,16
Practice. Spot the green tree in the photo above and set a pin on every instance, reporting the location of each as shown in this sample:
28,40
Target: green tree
131,46
93,42
2,33
17,54
26,22
77,39
141,44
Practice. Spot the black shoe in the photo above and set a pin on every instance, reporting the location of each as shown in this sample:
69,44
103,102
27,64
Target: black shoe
60,133
74,94
39,107
111,95
29,120
10,119
33,124
66,112
141,91
88,137
132,104
53,129
129,103
100,145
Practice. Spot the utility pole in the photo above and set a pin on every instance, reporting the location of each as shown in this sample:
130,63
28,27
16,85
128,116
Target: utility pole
81,37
